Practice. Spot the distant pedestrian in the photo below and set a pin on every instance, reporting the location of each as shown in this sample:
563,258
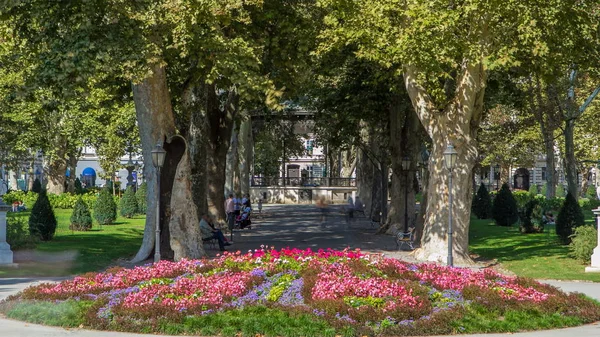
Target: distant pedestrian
230,211
350,208
322,205
260,202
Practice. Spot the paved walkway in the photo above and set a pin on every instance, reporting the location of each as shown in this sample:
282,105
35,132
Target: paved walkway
293,226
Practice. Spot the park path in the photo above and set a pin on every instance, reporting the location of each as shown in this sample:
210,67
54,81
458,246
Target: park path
294,226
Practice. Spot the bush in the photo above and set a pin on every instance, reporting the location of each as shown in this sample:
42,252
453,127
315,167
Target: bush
527,225
552,204
569,217
482,203
533,191
583,241
505,211
78,187
105,209
42,222
590,192
521,198
37,186
544,190
560,191
17,234
128,204
140,195
588,204
81,219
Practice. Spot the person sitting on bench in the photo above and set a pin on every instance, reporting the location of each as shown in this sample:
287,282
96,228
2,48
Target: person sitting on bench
209,232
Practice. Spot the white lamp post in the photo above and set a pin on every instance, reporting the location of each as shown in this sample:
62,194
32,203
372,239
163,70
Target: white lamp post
158,159
450,156
595,267
405,168
6,255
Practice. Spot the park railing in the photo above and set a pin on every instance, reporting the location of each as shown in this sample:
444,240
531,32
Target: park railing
303,181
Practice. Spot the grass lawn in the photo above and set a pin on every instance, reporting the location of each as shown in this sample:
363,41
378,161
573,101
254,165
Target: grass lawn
533,255
79,252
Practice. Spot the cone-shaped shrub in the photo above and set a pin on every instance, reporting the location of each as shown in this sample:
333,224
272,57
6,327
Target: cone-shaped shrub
560,191
544,189
533,191
569,217
482,204
78,187
105,209
37,186
81,219
42,222
505,210
128,204
140,195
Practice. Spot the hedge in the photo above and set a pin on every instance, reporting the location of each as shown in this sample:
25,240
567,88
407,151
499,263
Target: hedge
62,201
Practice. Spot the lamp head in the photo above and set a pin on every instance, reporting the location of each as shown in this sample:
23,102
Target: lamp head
405,163
450,156
158,156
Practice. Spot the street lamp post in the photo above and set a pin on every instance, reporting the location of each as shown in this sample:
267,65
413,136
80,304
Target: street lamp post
405,168
158,159
450,156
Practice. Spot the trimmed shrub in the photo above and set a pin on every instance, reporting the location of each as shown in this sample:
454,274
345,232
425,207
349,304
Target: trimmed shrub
533,191
128,204
588,204
81,218
78,187
521,198
482,203
527,224
17,234
505,211
37,186
105,209
590,192
583,241
140,195
42,222
560,191
569,217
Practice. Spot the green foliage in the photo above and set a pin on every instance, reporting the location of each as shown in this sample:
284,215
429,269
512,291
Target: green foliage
63,201
588,204
521,198
569,217
505,211
27,198
590,192
105,209
17,233
544,190
42,222
128,204
560,191
552,204
78,187
37,186
526,214
140,195
81,218
482,204
65,314
533,191
583,241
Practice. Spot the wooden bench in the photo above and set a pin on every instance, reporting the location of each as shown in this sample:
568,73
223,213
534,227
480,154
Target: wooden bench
405,238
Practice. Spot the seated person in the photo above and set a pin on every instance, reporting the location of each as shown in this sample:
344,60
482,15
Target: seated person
548,219
209,232
244,218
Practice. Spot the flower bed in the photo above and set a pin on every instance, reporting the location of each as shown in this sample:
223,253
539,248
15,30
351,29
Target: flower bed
352,292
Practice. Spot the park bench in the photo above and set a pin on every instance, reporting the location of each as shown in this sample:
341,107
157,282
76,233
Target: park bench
405,238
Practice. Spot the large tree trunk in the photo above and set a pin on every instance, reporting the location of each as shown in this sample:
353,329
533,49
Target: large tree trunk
231,161
72,162
404,126
570,161
194,104
57,168
156,123
458,124
220,125
585,173
246,146
365,180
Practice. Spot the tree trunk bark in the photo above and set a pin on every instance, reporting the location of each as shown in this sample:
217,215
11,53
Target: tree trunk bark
231,162
73,159
585,173
458,124
31,174
245,154
156,123
570,161
365,180
57,168
220,125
